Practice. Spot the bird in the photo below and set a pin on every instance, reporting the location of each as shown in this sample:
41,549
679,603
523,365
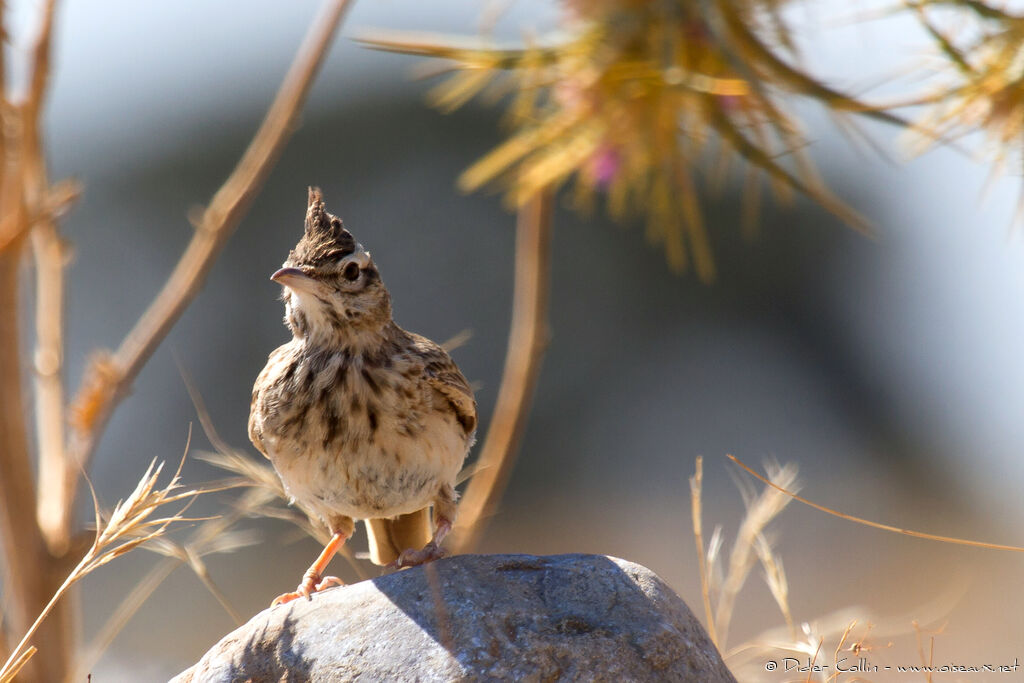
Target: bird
361,419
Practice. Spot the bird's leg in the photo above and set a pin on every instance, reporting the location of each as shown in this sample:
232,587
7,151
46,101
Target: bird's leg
314,580
444,518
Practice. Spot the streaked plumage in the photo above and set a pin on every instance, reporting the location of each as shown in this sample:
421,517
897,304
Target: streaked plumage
361,419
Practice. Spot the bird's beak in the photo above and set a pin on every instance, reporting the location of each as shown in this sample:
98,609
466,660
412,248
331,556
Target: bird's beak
293,278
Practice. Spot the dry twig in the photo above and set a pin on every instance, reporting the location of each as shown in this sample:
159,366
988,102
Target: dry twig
23,546
109,379
527,340
49,254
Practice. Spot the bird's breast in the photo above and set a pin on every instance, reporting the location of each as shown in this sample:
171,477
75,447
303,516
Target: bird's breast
360,438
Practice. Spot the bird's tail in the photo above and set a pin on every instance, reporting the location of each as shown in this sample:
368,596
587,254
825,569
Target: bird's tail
389,537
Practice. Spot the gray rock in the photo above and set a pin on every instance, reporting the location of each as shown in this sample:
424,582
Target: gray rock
477,617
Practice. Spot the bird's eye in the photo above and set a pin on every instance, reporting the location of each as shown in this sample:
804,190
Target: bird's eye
351,272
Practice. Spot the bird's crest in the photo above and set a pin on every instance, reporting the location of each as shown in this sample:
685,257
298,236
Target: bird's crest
324,236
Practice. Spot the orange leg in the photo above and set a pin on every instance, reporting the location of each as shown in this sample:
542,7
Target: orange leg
314,580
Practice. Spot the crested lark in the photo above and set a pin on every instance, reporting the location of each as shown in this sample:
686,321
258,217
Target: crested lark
361,419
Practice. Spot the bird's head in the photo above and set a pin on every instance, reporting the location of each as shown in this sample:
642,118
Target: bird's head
333,293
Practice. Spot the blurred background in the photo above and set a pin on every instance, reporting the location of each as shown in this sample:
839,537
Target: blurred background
887,369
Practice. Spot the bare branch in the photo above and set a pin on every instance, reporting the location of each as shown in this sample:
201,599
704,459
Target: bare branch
32,573
50,256
527,340
22,544
3,40
3,133
49,253
109,379
40,77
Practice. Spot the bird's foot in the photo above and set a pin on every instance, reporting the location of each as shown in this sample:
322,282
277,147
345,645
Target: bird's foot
311,583
413,558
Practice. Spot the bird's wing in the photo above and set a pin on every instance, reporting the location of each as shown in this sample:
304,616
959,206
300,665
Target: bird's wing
256,405
255,421
444,377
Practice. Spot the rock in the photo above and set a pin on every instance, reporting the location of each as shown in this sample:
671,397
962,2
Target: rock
477,617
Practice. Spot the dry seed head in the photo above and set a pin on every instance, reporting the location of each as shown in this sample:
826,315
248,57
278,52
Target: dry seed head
631,99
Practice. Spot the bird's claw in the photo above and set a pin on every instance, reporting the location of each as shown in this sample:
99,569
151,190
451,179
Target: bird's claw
287,597
413,558
310,584
328,582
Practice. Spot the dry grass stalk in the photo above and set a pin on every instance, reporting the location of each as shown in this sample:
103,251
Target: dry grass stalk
719,589
696,489
853,635
866,522
806,642
528,338
217,535
132,523
929,660
775,577
18,664
747,660
761,510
